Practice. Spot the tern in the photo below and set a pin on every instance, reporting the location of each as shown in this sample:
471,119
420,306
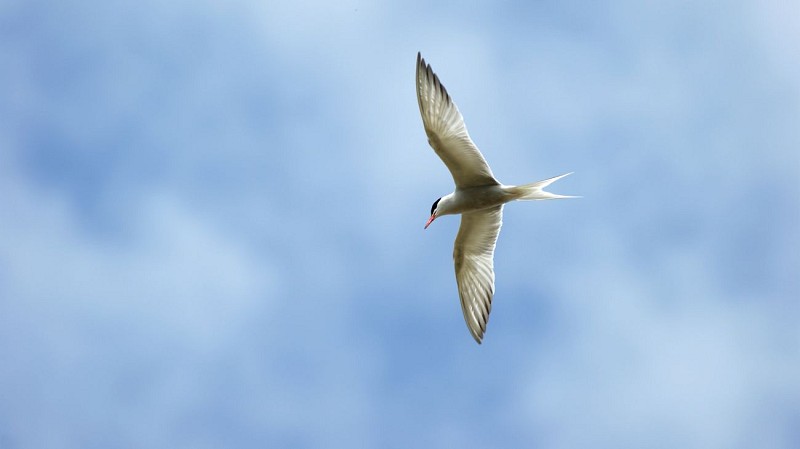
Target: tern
478,196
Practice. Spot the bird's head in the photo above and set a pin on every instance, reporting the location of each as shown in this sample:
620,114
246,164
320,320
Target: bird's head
434,212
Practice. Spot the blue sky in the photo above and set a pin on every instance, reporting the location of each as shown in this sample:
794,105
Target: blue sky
211,225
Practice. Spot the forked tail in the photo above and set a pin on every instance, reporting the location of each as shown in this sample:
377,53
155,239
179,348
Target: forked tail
535,191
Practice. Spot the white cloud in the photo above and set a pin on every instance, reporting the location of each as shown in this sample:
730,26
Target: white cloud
232,253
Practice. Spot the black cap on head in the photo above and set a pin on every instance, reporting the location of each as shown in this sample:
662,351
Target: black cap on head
433,208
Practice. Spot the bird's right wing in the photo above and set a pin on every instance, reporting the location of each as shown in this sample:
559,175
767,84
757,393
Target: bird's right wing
447,133
473,255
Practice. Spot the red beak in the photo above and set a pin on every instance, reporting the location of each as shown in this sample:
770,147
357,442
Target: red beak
430,220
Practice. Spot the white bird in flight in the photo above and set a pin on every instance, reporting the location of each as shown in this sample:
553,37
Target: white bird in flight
478,197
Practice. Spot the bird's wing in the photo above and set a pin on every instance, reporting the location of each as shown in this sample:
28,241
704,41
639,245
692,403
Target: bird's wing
473,255
447,133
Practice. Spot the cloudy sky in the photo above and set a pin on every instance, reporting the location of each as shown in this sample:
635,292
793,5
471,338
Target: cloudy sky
211,225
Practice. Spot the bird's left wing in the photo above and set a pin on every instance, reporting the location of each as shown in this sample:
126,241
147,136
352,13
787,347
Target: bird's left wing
473,255
447,133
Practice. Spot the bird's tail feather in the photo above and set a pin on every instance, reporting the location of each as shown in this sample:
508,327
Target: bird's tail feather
535,190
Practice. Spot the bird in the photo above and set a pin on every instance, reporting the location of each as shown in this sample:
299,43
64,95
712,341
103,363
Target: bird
478,196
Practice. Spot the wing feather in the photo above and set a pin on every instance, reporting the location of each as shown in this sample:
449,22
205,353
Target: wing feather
447,133
473,255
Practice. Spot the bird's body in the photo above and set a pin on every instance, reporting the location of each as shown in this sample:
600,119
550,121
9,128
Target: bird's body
471,199
478,197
